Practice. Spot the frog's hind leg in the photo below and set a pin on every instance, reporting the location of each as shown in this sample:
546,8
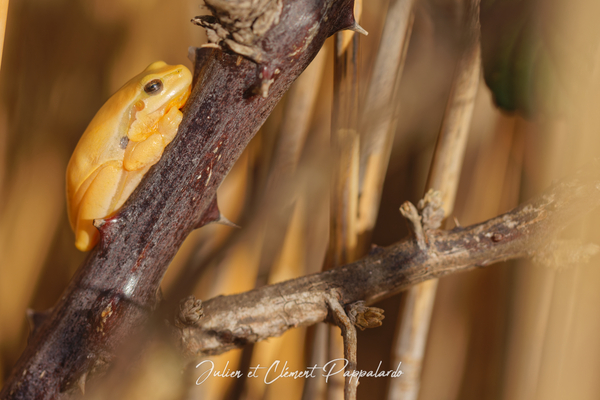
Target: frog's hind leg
97,202
129,182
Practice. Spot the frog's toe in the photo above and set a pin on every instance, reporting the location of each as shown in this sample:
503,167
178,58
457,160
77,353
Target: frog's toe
86,240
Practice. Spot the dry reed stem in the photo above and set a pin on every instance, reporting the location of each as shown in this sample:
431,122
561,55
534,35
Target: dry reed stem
297,116
344,149
3,16
443,177
344,177
27,221
378,121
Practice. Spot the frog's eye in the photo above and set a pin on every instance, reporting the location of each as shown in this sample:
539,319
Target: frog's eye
153,87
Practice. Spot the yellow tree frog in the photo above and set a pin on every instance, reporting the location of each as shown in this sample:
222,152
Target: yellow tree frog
124,139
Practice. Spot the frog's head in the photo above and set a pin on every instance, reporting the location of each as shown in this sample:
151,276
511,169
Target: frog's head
163,84
158,88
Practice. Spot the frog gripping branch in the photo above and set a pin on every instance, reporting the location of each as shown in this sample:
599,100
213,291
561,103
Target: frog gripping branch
110,296
125,138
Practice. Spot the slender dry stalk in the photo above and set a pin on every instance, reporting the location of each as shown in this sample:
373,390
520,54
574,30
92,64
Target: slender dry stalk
297,116
491,186
284,181
344,177
409,347
3,133
3,15
281,212
378,121
344,147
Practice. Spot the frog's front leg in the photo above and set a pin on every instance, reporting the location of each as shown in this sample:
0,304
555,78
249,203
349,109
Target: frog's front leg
97,202
145,153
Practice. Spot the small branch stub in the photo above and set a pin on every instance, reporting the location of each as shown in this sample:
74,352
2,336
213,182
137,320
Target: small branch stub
413,219
430,208
427,218
365,317
240,25
190,312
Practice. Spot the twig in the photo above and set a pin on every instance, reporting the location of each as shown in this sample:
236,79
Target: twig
233,321
409,211
357,314
113,291
350,344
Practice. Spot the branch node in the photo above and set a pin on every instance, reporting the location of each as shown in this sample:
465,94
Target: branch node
190,312
497,237
431,210
365,317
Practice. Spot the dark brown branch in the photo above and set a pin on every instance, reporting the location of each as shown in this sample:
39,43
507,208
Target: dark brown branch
233,321
114,290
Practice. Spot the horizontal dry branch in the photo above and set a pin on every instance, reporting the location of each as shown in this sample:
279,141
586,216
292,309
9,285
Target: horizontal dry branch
233,321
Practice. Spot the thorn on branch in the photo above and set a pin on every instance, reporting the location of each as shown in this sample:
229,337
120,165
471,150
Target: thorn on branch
347,21
190,312
365,317
35,319
456,223
358,29
99,222
81,382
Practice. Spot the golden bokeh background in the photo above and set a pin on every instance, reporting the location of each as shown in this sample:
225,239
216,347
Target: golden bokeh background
511,331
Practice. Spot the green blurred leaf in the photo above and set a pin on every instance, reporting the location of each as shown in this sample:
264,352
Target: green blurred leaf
517,64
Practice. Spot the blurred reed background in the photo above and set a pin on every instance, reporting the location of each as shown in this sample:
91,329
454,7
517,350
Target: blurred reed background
510,331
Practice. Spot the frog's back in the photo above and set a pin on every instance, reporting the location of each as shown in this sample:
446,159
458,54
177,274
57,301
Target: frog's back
101,141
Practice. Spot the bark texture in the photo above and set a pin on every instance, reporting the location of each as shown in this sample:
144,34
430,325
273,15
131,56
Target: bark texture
115,289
